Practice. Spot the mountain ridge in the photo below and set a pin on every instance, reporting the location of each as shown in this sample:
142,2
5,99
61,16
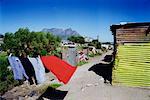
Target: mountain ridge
64,34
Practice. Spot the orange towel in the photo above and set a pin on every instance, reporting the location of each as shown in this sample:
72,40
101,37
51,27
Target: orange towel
61,69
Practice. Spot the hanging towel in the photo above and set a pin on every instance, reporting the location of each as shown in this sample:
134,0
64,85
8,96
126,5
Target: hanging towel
61,69
28,69
39,69
18,70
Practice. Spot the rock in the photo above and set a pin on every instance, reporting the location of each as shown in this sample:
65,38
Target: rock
45,98
8,96
88,85
52,79
96,84
101,79
1,98
21,98
32,93
26,91
82,89
26,96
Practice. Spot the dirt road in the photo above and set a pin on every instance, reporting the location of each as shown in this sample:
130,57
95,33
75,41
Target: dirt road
86,85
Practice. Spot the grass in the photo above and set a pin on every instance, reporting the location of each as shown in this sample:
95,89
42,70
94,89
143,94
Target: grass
82,63
93,55
43,88
55,85
98,54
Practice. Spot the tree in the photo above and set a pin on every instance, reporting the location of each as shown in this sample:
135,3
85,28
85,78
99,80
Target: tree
77,39
24,40
95,43
9,42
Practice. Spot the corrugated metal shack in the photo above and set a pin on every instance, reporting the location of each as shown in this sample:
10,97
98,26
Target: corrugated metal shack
132,54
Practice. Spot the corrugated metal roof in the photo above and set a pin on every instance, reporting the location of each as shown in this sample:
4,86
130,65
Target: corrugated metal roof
128,25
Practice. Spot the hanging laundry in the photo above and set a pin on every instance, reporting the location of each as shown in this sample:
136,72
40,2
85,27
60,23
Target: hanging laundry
28,69
62,70
18,70
39,69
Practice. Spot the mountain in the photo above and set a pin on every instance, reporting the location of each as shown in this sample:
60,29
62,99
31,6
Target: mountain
64,34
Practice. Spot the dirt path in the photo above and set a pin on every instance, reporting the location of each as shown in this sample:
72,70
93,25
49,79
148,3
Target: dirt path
86,85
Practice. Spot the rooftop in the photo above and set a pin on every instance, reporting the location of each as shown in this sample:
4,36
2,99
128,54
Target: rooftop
128,25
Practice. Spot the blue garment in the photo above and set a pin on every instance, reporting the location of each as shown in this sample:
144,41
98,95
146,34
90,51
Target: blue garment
17,68
39,69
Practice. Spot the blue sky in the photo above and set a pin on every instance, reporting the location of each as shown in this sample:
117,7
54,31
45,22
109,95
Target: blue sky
88,17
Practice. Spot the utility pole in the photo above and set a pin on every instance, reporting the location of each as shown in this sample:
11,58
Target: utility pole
98,37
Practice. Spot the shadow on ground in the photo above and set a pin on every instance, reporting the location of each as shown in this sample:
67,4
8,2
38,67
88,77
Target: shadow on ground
53,94
104,70
108,58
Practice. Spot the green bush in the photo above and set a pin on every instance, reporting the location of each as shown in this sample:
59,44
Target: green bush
3,87
91,55
3,67
81,63
56,53
55,85
29,42
43,52
6,76
97,54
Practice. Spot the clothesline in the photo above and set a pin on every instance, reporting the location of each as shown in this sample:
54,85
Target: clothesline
34,68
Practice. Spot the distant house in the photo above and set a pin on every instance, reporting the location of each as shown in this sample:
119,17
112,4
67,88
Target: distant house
107,45
88,39
67,43
1,39
132,54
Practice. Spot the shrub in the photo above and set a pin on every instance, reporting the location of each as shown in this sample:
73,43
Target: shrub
97,54
6,76
81,63
91,55
3,67
55,85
